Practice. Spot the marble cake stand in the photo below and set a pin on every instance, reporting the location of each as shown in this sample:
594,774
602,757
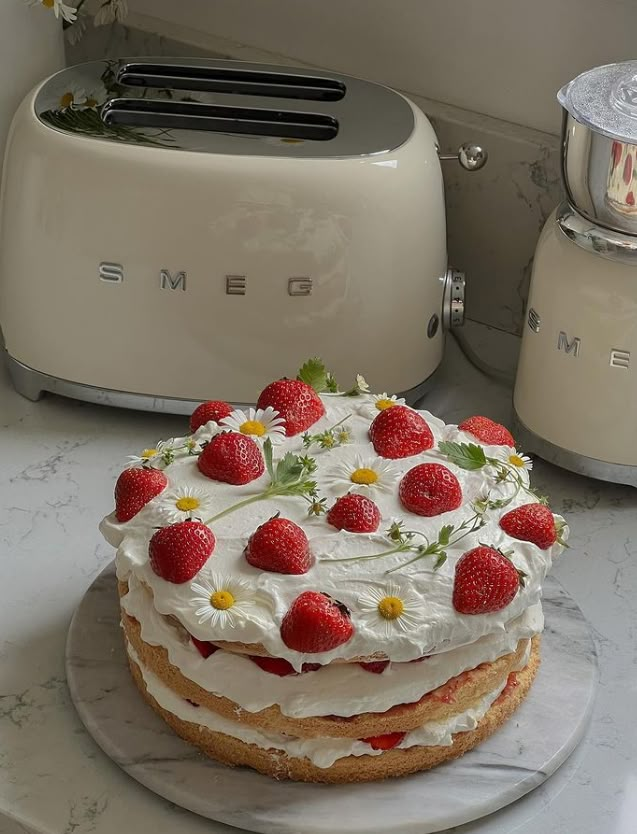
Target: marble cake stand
519,757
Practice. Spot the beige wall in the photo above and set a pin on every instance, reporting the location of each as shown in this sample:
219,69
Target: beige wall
505,58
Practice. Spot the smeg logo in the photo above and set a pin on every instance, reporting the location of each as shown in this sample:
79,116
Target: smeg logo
113,273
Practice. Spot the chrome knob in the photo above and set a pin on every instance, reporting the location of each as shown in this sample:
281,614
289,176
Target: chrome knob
453,299
471,157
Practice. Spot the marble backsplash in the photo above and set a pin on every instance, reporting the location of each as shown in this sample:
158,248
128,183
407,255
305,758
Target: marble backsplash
494,216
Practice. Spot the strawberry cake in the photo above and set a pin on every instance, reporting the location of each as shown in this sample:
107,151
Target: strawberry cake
333,586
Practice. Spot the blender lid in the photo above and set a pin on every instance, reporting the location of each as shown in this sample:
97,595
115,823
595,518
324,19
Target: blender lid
605,100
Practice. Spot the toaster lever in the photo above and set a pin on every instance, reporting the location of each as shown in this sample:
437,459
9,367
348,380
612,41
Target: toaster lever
182,115
230,80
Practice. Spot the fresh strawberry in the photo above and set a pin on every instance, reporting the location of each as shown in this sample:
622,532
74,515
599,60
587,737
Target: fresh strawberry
385,742
275,665
354,513
281,667
279,546
485,581
213,410
232,458
204,648
134,489
531,523
376,667
178,552
487,431
430,489
400,432
316,623
298,404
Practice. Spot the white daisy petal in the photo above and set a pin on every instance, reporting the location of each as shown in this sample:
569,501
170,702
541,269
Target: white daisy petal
372,405
409,617
181,503
358,473
259,423
239,600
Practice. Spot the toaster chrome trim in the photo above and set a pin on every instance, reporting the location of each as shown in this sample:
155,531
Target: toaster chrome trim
617,473
32,384
225,107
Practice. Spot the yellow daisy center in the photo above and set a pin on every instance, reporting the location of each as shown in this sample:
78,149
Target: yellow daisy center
187,503
48,4
384,403
364,476
516,460
390,608
67,99
252,427
148,453
222,600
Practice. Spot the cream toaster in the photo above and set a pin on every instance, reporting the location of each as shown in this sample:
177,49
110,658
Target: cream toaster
173,230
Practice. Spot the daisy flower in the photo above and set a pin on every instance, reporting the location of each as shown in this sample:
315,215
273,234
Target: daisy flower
358,474
517,460
68,13
162,452
182,503
390,610
73,97
380,402
222,600
259,423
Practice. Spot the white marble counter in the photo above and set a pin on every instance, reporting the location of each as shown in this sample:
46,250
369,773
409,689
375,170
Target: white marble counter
59,460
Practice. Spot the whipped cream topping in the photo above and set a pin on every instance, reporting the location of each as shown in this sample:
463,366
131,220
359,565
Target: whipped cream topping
322,752
342,689
439,626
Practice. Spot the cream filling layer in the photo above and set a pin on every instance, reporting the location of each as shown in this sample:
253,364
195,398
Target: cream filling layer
321,752
339,689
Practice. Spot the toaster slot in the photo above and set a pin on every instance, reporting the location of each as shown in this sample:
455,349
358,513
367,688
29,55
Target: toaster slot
235,81
182,115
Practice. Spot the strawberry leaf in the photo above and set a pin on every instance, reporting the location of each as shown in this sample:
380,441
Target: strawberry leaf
288,470
314,373
465,455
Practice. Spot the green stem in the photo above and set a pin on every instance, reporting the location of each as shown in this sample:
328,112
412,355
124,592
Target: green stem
252,500
400,549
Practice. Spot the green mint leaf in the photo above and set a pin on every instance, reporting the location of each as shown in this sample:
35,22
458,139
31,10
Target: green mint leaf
267,455
465,455
314,374
445,535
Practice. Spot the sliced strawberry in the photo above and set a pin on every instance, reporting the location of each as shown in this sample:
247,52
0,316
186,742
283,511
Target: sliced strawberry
204,648
487,431
385,742
376,667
